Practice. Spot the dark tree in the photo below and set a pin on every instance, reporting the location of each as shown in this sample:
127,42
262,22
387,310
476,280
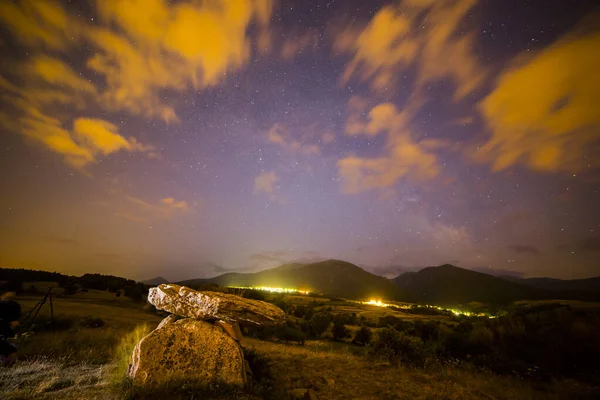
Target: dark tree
363,335
339,330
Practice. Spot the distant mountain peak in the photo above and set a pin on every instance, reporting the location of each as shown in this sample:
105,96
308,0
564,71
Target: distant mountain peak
159,280
334,277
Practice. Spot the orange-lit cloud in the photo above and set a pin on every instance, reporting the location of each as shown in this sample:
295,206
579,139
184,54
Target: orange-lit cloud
170,47
328,137
83,144
141,51
40,23
279,135
544,110
265,182
139,210
298,43
403,157
423,33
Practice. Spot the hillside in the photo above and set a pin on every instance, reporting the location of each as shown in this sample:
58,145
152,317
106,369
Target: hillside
582,285
334,277
155,281
450,285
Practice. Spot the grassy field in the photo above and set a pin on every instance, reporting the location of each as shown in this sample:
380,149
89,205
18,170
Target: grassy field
77,359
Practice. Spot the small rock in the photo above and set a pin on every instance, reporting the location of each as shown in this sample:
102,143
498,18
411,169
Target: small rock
232,330
324,382
310,395
169,320
298,393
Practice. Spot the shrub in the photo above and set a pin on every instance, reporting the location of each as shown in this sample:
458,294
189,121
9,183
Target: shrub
289,334
427,331
253,294
398,348
339,330
388,320
299,311
363,335
317,325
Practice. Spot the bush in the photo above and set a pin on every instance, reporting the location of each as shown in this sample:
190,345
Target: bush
317,325
363,335
253,294
339,330
289,334
398,348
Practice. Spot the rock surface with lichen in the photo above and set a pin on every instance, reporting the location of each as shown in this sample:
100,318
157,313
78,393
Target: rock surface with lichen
188,350
186,302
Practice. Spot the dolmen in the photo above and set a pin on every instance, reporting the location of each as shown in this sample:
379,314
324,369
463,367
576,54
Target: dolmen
199,342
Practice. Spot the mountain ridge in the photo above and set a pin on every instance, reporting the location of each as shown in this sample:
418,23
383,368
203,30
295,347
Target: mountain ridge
334,277
451,285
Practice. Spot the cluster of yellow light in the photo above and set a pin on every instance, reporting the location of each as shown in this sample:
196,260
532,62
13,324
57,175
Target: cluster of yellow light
377,303
271,289
460,312
380,303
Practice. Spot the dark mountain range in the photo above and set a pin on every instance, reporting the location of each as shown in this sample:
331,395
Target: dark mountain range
575,285
334,277
155,281
450,285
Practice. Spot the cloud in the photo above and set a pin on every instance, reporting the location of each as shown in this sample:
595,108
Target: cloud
420,33
502,273
40,23
392,271
524,249
170,46
287,43
279,135
83,144
543,110
328,137
143,210
270,256
265,182
297,43
404,157
140,52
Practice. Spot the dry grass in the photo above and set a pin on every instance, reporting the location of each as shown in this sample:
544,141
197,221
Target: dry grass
358,377
123,351
45,378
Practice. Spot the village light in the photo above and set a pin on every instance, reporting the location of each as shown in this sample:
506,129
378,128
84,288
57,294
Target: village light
271,289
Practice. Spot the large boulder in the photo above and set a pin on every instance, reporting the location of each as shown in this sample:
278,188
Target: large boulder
188,350
186,302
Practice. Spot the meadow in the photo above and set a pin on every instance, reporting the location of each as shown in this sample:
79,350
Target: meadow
85,353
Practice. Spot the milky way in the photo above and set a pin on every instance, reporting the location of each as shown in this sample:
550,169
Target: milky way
191,138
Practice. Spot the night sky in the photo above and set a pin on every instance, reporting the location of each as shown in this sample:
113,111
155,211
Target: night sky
190,138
